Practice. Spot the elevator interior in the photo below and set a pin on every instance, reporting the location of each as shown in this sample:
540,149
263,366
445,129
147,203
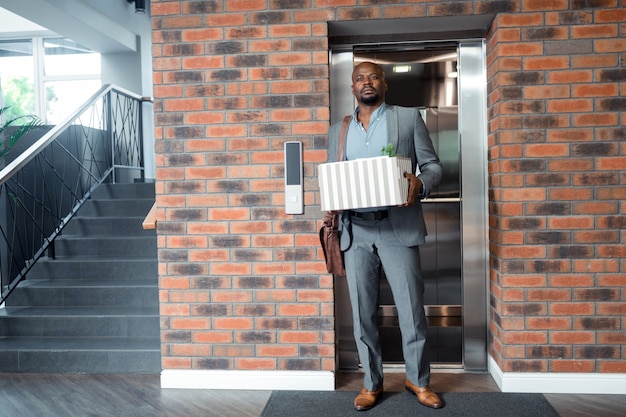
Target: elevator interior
428,75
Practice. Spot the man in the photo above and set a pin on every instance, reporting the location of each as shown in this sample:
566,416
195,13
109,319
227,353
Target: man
387,236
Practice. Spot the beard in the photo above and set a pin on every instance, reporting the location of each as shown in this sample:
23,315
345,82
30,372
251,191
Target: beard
373,99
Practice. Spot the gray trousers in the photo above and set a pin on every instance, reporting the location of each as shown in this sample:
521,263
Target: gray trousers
374,244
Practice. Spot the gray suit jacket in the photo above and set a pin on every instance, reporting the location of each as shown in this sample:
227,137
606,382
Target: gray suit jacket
409,136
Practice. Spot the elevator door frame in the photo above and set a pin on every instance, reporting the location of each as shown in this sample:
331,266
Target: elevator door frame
472,97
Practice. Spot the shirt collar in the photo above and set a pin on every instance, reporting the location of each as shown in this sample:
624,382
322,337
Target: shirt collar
378,113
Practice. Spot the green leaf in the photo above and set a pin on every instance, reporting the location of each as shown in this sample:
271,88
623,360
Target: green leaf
25,125
388,150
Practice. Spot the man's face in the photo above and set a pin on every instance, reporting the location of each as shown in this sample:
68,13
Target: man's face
368,84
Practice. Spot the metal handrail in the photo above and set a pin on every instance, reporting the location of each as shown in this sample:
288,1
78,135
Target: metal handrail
43,187
54,133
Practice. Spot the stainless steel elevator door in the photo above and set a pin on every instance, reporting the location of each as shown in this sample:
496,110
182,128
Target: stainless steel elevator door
434,78
425,79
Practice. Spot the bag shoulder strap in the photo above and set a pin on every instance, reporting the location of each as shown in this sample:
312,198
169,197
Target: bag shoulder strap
343,133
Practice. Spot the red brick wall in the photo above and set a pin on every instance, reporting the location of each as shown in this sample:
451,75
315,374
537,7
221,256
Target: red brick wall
242,285
557,175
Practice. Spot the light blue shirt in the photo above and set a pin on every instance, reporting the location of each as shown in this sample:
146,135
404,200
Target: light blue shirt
361,143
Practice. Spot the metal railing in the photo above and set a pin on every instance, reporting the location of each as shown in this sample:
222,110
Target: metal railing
44,186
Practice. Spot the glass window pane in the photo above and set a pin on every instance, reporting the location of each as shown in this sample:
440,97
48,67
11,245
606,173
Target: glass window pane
17,87
63,97
63,57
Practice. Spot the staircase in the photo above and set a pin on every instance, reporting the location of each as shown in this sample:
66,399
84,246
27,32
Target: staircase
94,308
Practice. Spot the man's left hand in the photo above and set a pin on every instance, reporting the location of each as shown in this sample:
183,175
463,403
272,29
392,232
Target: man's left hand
415,188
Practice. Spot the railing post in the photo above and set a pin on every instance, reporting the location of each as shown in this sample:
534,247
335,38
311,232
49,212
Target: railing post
109,123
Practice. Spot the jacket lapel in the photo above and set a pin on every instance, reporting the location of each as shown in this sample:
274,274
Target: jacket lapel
392,126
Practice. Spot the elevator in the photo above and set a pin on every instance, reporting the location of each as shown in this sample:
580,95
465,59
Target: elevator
445,79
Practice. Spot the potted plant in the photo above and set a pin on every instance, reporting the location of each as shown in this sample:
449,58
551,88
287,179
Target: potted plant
22,124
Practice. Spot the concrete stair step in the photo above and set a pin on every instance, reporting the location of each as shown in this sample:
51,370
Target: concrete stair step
84,293
106,355
102,268
94,306
104,245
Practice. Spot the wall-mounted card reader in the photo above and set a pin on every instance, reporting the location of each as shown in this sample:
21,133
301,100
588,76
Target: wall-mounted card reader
294,194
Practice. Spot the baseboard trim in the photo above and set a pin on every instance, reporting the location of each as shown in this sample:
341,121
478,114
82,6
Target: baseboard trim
557,383
248,380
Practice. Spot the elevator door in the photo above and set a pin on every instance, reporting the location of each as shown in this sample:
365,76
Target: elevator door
425,77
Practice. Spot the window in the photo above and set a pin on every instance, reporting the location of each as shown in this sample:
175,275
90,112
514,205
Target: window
17,77
48,77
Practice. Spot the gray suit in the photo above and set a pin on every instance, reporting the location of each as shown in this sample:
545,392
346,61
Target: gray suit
391,243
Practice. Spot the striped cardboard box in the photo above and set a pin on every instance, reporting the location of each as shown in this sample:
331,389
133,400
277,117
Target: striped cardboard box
361,183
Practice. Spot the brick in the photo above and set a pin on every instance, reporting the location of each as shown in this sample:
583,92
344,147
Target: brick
525,309
571,309
546,150
547,237
612,367
596,265
172,22
535,5
524,252
299,337
548,352
597,352
570,194
229,269
175,363
612,337
596,323
277,351
594,61
526,366
572,337
546,63
232,323
612,280
595,31
569,47
393,12
611,251
543,92
189,323
261,337
597,294
548,266
255,364
550,208
595,119
609,45
545,33
573,366
521,19
571,252
298,364
549,295
514,295
233,350
569,17
596,237
520,49
211,363
595,90
571,165
569,135
616,163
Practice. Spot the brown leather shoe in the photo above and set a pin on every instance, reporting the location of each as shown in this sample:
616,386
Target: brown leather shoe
367,399
425,395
